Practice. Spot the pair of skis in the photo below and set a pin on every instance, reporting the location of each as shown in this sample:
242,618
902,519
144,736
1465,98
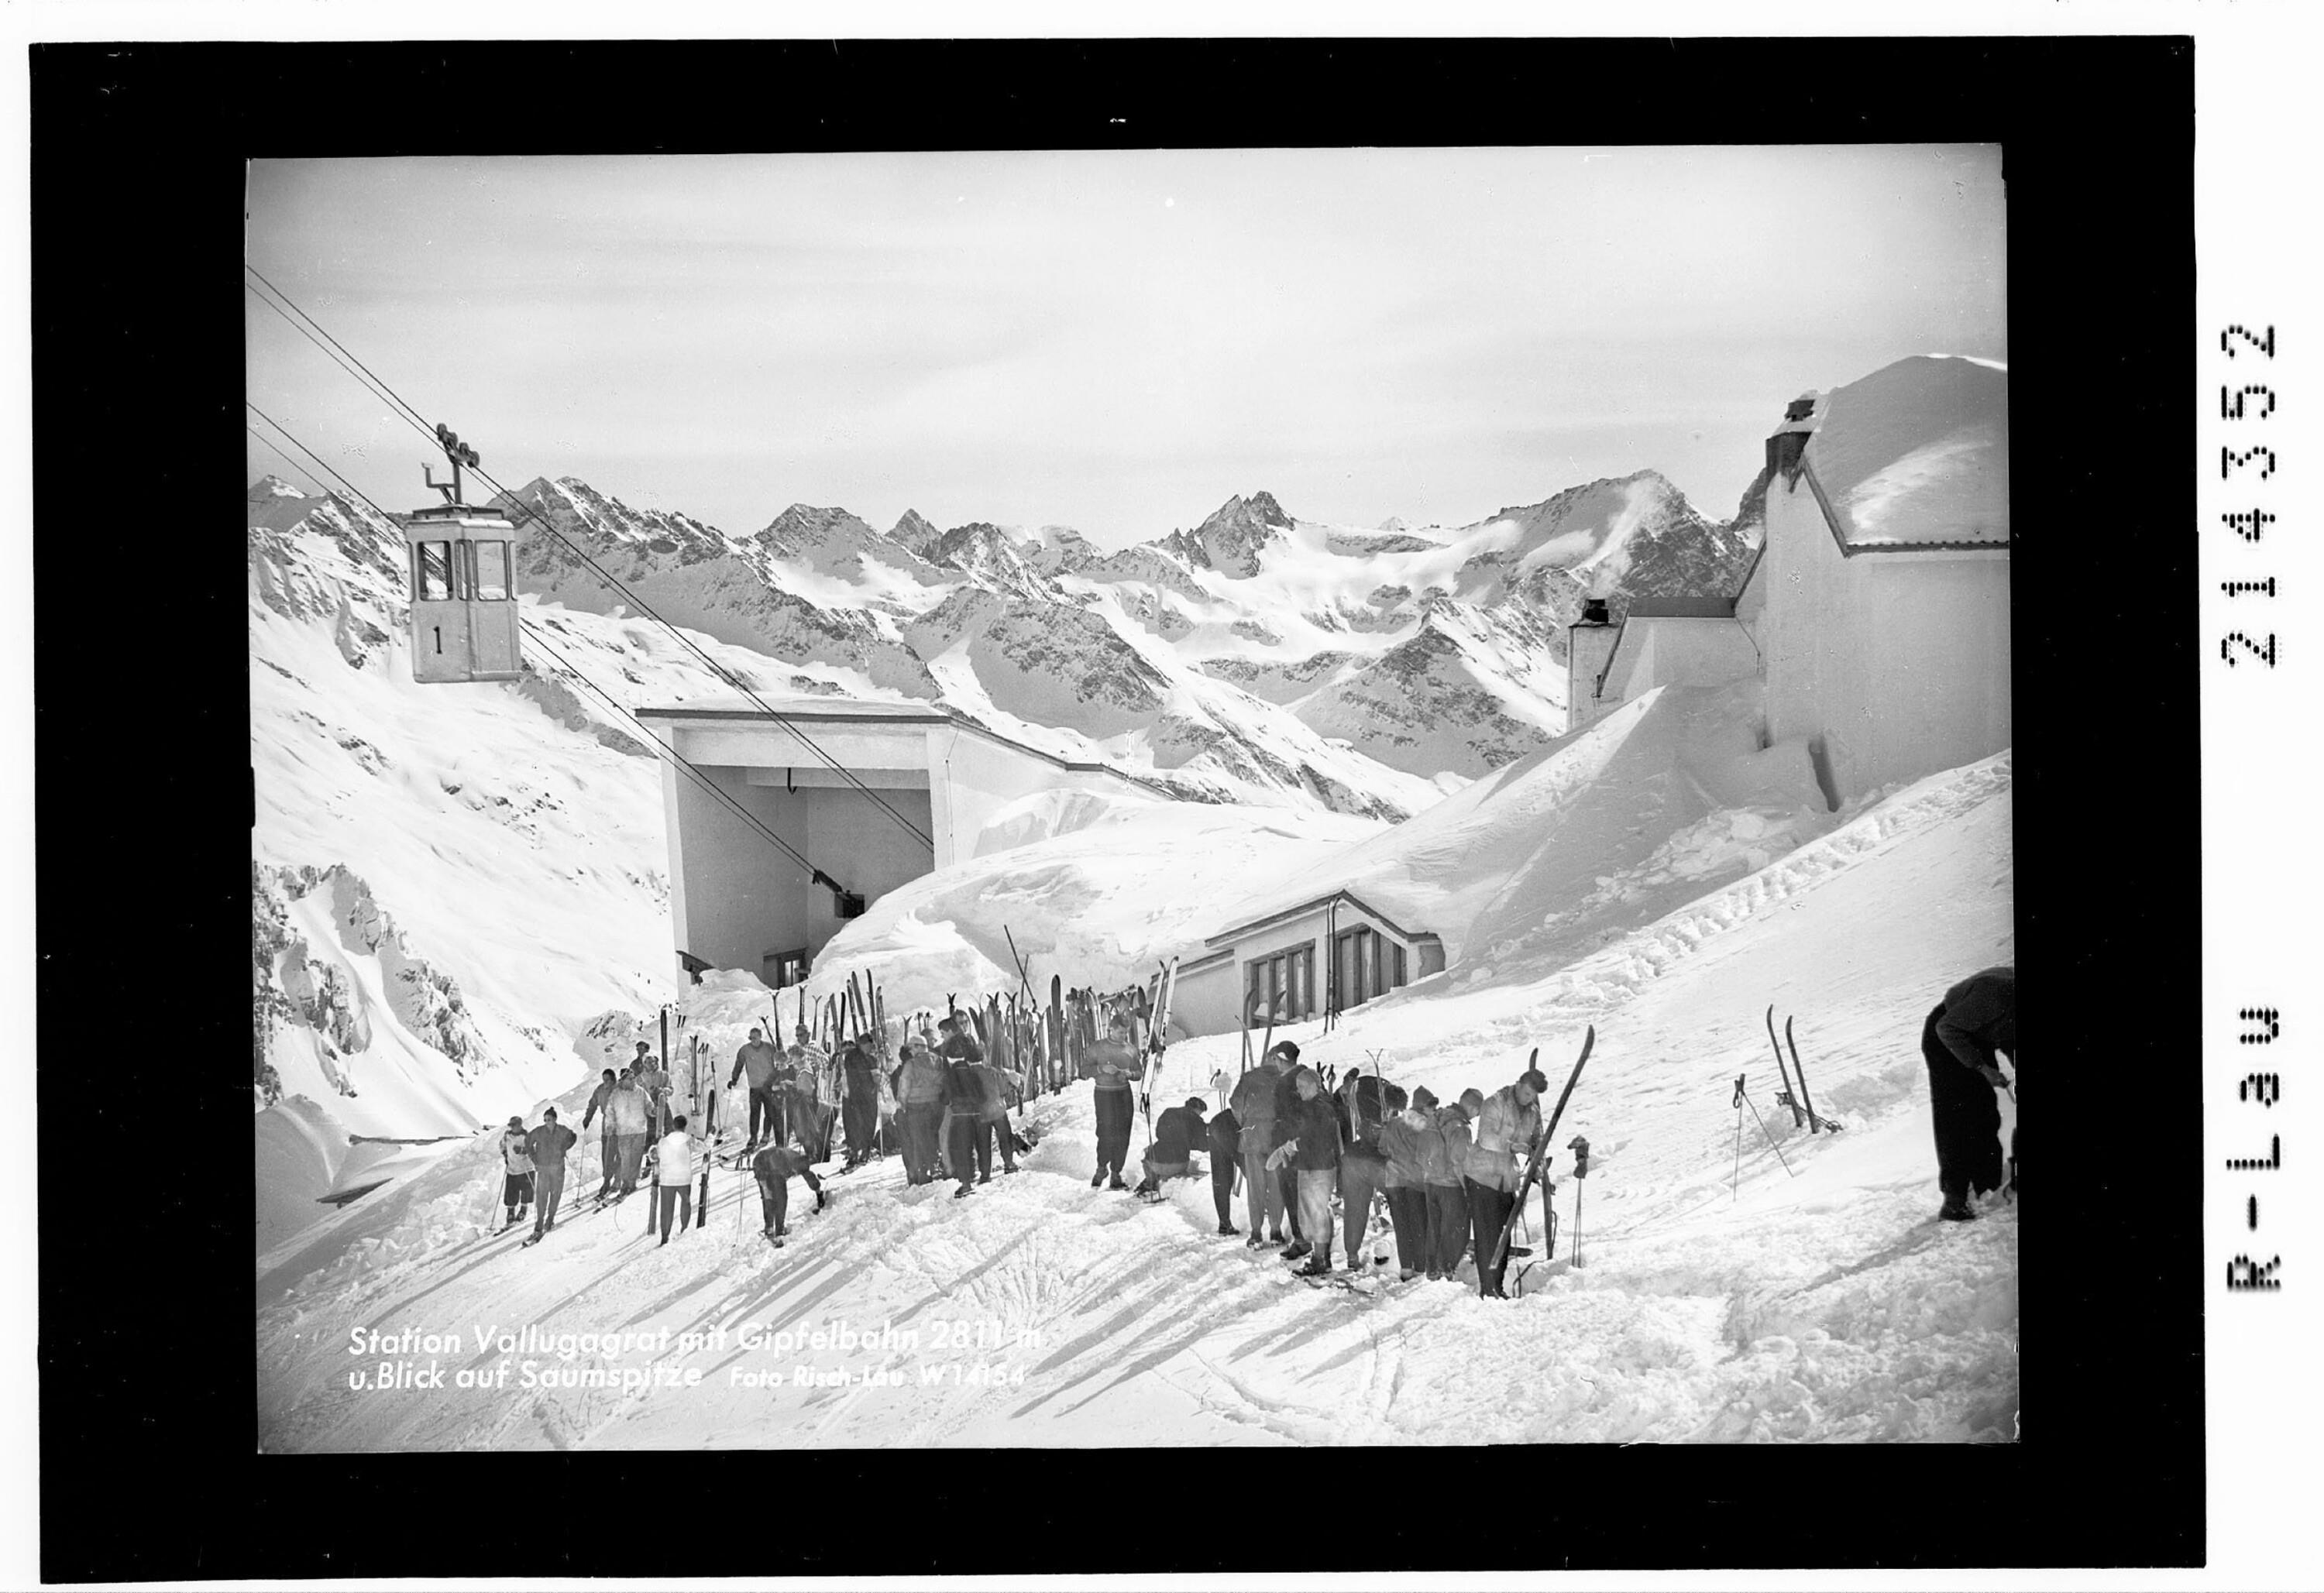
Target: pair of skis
1165,984
1804,1112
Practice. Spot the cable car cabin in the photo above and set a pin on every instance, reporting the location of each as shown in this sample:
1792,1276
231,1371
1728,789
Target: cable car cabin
464,609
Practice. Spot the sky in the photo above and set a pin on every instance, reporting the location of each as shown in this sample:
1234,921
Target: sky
1117,341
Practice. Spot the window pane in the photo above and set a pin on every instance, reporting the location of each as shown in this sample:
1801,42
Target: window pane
435,571
492,571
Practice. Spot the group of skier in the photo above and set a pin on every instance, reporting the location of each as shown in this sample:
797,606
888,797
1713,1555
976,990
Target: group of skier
1447,1176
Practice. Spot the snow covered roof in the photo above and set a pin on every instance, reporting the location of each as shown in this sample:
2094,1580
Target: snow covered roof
1917,454
861,711
828,708
1317,905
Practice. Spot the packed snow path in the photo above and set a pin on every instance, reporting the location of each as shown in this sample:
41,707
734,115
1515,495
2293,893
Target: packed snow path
1711,1305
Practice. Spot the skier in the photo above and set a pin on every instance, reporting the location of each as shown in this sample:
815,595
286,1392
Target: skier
862,1111
674,1176
1226,1161
1313,1149
758,1061
1448,1200
1363,1166
1978,1018
625,1118
969,1135
1404,1141
1506,1130
919,1084
655,1083
1358,1103
992,1093
773,1168
1253,1107
1176,1134
1286,1126
547,1145
1115,1067
954,1046
516,1166
597,1098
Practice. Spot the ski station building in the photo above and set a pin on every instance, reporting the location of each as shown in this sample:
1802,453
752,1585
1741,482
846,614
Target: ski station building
1875,613
1272,965
802,771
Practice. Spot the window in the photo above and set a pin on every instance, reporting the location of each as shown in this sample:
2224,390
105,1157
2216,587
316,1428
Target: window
1281,987
431,572
1365,963
488,577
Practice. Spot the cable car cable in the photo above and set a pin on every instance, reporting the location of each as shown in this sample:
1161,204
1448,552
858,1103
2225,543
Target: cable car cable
380,389
815,875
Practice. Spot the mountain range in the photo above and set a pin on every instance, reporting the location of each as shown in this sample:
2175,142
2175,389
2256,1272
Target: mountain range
1255,657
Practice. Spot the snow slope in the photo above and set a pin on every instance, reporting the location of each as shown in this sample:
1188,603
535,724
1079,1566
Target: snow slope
1712,1302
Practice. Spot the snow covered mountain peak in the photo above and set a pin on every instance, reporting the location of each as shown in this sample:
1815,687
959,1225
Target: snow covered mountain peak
1232,539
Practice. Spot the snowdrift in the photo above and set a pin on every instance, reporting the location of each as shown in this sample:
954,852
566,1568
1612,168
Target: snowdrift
1604,830
1719,1295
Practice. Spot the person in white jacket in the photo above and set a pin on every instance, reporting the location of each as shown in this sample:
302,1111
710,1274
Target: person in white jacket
674,1176
516,1167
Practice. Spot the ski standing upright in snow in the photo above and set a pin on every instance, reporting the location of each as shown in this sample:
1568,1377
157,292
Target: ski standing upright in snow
1540,1151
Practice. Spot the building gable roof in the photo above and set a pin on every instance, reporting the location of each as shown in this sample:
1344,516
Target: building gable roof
1301,909
1914,455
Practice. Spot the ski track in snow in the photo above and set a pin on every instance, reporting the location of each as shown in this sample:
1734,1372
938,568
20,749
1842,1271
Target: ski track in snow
1719,1298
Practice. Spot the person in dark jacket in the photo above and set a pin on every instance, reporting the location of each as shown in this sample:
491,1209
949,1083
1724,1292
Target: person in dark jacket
1285,1126
1176,1134
758,1061
773,1167
861,1111
963,1099
993,1090
1253,1108
547,1145
1226,1156
1313,1149
605,1136
1977,1018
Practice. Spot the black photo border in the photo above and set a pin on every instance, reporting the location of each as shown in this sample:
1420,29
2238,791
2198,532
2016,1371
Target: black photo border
145,1357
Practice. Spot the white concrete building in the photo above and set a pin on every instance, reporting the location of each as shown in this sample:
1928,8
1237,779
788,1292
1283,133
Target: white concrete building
1332,952
737,901
1876,612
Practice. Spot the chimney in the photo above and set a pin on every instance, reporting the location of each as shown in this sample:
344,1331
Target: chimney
1589,644
1788,446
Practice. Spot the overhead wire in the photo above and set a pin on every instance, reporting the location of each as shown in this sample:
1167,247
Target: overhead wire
346,361
690,770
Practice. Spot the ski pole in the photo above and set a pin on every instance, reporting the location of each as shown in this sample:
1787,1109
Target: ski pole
1771,1139
1734,1182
